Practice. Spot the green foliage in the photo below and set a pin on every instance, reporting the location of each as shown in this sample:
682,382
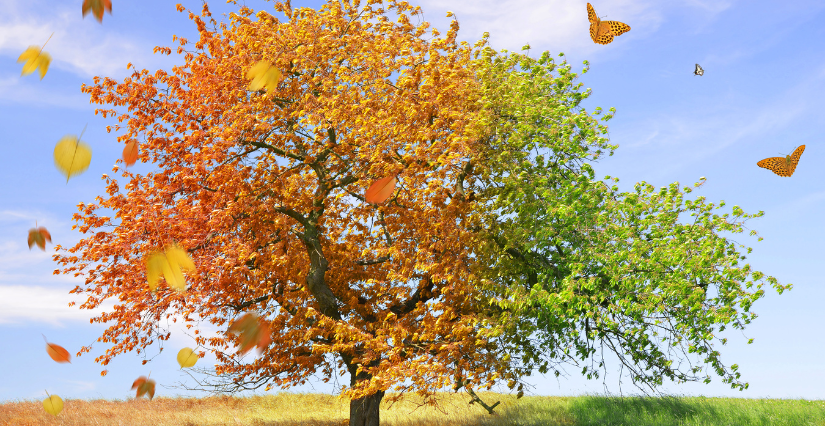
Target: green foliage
564,260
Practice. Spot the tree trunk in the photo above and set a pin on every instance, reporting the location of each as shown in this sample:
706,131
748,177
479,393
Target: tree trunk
364,411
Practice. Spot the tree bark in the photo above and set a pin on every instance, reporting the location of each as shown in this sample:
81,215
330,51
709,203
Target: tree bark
364,411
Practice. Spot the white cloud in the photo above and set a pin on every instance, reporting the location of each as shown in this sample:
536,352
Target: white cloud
11,215
555,25
84,51
796,208
26,304
29,92
691,135
713,7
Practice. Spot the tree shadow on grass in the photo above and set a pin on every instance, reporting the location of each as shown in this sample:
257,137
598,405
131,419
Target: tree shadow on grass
637,411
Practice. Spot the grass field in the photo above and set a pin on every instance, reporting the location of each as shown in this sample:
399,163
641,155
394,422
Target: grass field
286,409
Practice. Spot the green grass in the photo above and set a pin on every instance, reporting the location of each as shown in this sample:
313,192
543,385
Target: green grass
286,409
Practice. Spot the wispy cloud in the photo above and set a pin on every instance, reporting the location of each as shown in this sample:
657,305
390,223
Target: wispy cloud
712,7
796,208
22,304
84,50
15,90
692,135
556,25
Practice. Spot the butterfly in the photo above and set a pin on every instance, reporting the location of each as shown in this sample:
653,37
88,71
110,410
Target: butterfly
698,70
783,166
602,32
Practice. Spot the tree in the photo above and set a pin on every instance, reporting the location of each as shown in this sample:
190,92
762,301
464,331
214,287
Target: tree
262,188
563,259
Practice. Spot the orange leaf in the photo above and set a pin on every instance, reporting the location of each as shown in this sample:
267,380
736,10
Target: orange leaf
39,236
252,332
97,7
56,352
380,190
130,153
263,76
144,385
264,337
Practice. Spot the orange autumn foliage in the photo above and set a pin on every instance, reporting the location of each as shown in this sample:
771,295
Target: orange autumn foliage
263,189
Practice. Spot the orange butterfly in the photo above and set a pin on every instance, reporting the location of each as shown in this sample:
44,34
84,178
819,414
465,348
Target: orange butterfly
783,166
602,32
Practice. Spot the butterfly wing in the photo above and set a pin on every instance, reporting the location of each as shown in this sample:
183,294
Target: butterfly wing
794,160
591,14
778,165
594,23
618,28
603,34
594,32
699,70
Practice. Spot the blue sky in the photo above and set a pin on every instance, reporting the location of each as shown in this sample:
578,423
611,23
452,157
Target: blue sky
760,97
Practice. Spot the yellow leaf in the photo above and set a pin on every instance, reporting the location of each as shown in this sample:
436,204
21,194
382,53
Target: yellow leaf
263,75
71,156
35,58
154,267
187,358
53,405
169,264
178,259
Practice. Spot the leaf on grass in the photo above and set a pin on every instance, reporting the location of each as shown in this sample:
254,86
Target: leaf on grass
53,405
169,264
263,75
97,7
57,352
130,153
71,156
39,236
144,386
187,358
380,190
252,332
35,58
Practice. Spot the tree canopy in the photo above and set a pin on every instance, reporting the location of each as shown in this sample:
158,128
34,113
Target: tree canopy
263,189
488,259
567,260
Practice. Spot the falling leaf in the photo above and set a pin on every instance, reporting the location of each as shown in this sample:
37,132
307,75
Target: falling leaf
72,156
169,264
130,153
53,404
39,236
35,58
97,7
252,332
263,75
56,352
380,190
144,385
187,358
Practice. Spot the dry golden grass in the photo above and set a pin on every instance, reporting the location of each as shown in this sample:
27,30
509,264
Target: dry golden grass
282,409
286,409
